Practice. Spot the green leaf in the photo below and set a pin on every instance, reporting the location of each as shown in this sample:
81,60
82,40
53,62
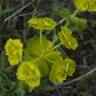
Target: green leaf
8,10
62,12
0,9
77,24
49,88
27,56
19,89
43,67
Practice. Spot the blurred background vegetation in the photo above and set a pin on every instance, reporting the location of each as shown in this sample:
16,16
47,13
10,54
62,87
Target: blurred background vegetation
13,17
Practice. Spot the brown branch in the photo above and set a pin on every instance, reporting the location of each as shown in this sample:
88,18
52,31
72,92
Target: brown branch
77,79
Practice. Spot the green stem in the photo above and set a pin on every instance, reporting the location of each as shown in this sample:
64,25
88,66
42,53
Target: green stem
74,13
67,23
51,61
58,45
41,44
35,8
62,20
3,59
41,38
1,4
55,47
40,57
24,36
34,12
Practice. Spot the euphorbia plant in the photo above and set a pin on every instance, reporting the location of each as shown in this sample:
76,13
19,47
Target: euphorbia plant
40,58
44,58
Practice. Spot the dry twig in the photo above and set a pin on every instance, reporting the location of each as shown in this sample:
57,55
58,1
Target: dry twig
18,11
78,78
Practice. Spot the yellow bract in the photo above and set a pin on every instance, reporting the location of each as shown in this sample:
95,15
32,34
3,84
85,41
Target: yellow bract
85,5
70,66
58,72
67,39
61,69
14,51
29,73
42,23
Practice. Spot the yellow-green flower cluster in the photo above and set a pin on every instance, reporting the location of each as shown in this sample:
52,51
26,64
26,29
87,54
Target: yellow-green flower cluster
42,23
61,70
29,73
67,39
85,5
14,51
